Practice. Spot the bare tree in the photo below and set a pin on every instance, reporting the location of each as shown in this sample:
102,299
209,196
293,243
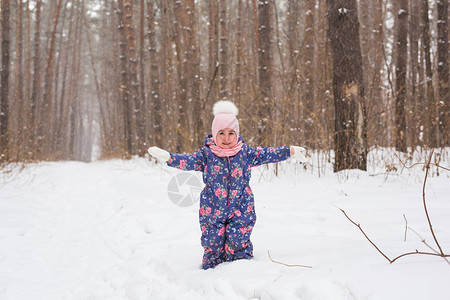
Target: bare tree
350,140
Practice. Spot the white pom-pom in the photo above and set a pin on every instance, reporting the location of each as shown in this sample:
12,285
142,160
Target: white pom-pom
225,107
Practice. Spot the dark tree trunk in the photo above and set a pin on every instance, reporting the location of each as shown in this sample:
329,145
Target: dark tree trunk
350,140
4,81
154,95
442,49
45,126
400,74
223,50
265,11
431,104
36,88
124,81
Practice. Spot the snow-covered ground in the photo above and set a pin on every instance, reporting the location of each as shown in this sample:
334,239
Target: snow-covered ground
107,230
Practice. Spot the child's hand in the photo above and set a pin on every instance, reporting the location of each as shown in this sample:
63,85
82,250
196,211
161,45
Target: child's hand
159,153
298,153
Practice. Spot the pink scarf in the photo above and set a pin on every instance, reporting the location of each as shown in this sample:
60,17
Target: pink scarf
221,152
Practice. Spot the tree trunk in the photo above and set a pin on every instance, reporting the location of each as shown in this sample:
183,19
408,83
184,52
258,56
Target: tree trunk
350,140
45,126
294,114
265,12
431,104
125,90
155,98
19,86
415,132
309,115
442,54
139,130
400,86
4,81
143,144
213,51
183,132
193,57
223,51
239,58
36,88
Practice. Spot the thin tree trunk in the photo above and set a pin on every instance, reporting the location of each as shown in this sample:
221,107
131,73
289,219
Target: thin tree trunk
431,104
400,86
46,120
183,131
124,80
265,71
36,90
223,50
139,130
213,51
309,116
443,73
20,85
4,81
239,58
293,97
415,131
142,97
155,97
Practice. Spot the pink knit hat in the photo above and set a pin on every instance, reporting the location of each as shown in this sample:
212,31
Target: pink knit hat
225,113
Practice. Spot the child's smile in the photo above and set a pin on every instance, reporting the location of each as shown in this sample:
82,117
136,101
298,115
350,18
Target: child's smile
226,138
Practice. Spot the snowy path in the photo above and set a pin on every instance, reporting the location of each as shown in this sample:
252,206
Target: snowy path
107,230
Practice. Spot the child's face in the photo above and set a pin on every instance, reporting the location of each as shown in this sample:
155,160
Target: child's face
226,138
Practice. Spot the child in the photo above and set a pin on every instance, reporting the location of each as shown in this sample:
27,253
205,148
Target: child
227,210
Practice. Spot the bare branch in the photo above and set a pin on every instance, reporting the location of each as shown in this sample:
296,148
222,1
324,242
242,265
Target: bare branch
277,262
365,235
425,204
420,163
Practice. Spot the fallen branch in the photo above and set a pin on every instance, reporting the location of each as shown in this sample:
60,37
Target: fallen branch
381,252
277,262
439,253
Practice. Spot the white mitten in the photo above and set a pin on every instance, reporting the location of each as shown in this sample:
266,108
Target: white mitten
299,153
159,153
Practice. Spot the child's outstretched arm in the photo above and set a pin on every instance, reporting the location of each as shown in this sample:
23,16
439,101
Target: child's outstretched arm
188,162
264,155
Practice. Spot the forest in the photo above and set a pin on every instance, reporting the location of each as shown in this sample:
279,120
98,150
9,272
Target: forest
99,79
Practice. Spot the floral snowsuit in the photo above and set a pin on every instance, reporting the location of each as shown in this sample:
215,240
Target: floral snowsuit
227,210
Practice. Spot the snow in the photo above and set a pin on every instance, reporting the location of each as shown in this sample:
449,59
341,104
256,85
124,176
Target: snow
107,230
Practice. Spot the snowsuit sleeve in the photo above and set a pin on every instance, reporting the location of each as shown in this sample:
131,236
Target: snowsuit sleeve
264,155
188,162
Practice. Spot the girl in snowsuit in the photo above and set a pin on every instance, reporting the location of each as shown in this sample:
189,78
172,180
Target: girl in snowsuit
227,209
